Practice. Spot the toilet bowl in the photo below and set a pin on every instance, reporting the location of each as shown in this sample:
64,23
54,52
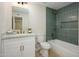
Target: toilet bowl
45,47
42,46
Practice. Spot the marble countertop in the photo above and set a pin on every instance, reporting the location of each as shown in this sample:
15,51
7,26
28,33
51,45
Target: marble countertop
16,36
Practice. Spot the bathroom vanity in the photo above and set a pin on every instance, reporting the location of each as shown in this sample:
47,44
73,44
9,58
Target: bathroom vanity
18,45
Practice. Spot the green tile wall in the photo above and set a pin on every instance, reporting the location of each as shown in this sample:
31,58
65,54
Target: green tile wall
67,23
50,23
63,23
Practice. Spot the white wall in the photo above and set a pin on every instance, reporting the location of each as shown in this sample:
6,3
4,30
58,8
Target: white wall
5,19
37,19
0,24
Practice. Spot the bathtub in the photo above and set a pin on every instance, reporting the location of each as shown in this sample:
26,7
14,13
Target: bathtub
64,49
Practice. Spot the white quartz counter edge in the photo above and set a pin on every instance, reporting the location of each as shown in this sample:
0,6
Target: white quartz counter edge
16,36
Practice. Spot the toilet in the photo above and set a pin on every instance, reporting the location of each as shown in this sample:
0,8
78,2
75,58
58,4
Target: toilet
42,46
45,46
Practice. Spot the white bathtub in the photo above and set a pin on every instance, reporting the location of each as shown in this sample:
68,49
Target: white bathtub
64,48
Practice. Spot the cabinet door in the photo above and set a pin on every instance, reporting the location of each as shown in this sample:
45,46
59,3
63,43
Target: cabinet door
29,47
11,48
24,47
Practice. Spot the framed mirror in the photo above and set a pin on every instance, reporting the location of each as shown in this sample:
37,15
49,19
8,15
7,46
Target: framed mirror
20,19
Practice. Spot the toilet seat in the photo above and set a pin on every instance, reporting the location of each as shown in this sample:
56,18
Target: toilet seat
45,45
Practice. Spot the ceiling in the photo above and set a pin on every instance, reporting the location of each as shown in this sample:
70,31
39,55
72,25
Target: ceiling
53,5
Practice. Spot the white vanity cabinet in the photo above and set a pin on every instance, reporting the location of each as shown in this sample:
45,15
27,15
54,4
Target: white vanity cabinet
11,47
19,47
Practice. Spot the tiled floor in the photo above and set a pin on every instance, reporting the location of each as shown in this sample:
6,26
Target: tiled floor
38,54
